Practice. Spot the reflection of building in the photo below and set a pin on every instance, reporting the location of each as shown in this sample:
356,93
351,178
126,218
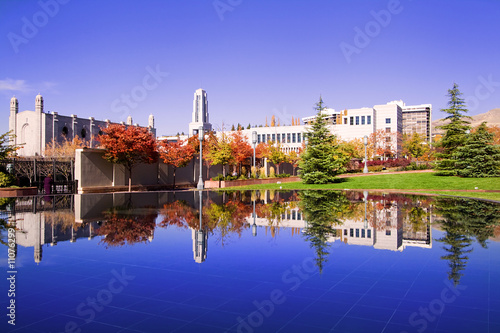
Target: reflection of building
35,129
200,245
49,228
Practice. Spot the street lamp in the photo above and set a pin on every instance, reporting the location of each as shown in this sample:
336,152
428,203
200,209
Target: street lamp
365,142
254,226
200,137
365,196
254,142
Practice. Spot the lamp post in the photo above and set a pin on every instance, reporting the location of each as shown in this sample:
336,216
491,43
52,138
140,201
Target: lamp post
254,142
254,226
200,137
365,142
365,196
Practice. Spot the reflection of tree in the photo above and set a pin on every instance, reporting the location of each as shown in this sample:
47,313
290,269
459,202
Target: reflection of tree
227,218
463,220
123,228
179,214
322,210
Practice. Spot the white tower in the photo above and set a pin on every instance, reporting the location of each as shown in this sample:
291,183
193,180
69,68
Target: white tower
39,103
129,120
200,113
14,109
151,121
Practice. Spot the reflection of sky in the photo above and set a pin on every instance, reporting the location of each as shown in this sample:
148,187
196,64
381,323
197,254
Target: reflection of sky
359,285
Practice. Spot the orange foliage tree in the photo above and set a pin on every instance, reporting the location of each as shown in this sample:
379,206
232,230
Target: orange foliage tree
177,154
120,228
241,148
128,145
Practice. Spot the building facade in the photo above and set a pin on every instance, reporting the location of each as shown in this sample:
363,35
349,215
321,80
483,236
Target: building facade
33,130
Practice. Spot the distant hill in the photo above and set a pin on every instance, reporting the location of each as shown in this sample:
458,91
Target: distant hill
492,117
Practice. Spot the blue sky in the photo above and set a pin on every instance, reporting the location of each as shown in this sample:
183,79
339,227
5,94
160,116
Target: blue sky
254,58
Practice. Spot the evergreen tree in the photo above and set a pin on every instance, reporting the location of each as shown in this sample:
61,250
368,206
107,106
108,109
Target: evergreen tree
454,136
479,157
322,159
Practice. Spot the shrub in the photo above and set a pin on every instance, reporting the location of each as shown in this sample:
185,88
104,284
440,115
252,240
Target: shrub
445,173
375,168
272,173
6,179
253,172
243,171
283,175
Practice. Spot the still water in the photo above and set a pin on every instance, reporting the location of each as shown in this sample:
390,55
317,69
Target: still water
301,261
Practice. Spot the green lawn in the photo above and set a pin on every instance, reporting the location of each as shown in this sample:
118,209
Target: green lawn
403,181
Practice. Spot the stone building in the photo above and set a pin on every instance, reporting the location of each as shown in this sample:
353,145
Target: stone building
33,130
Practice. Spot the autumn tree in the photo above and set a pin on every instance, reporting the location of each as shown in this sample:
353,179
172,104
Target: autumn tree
293,158
123,228
177,154
240,147
415,145
129,146
277,156
221,152
455,131
322,159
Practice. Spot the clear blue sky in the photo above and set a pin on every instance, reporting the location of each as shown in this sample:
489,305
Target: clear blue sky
254,58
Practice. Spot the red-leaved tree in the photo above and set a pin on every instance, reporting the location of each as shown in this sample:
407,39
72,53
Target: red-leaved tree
240,147
128,146
177,154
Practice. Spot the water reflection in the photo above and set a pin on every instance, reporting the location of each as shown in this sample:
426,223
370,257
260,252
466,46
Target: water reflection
386,222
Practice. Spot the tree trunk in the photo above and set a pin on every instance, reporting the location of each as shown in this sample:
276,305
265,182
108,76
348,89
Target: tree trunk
174,178
130,179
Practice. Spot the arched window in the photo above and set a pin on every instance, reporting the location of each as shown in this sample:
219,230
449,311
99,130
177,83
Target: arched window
65,131
84,133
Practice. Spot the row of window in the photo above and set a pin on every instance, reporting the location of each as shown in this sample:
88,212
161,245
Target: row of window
295,215
280,138
358,120
351,233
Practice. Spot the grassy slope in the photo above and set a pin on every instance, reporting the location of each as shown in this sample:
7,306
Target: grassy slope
404,181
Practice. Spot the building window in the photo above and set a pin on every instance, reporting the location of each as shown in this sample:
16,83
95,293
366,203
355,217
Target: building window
65,131
368,120
388,130
345,121
387,232
293,137
258,138
83,133
298,137
351,121
274,138
268,137
357,233
288,137
369,233
362,120
388,223
345,232
387,120
293,215
387,139
278,137
351,232
357,120
362,233
299,216
283,138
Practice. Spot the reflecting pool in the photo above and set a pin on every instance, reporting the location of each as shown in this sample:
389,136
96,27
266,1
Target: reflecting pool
268,261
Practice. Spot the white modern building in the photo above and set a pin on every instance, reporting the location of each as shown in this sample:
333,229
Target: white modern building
33,130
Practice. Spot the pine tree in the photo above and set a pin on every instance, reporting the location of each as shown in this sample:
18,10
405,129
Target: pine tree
454,136
479,157
322,159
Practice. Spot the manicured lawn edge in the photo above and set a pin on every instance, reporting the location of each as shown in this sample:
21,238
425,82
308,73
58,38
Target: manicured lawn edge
405,182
